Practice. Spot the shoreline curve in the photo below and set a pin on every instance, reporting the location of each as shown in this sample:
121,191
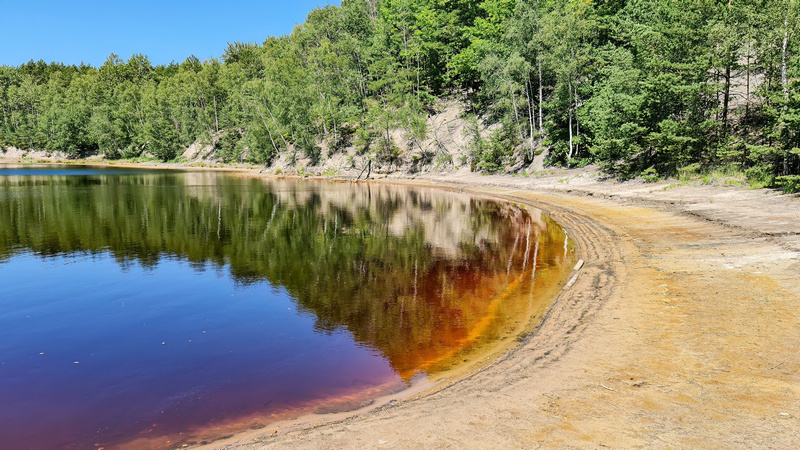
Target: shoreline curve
680,331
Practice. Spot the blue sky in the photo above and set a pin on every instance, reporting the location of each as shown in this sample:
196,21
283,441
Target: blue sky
88,31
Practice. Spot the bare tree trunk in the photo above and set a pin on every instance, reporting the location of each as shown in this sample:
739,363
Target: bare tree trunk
530,111
569,157
513,102
264,121
417,70
373,9
368,168
324,125
541,128
335,131
716,95
277,128
216,117
14,120
726,96
747,97
405,40
784,82
516,111
577,122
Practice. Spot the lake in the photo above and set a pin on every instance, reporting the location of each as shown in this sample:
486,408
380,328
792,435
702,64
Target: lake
148,309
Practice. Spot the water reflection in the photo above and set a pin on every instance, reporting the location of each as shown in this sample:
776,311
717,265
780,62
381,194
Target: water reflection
414,275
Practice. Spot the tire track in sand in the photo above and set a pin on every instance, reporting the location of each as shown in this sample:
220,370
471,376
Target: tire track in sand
677,333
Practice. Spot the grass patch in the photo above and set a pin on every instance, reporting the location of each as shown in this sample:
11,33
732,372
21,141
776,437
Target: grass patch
650,175
790,184
731,175
759,177
139,159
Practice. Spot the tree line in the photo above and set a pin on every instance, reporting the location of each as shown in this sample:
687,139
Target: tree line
639,86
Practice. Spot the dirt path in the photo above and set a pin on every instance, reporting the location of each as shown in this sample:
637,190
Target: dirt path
682,330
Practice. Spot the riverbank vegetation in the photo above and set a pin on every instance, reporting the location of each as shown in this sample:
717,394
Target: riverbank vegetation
639,87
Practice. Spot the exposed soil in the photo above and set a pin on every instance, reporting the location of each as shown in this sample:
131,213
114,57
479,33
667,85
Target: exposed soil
681,331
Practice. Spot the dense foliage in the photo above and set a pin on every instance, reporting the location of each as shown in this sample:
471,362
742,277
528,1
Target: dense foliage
651,86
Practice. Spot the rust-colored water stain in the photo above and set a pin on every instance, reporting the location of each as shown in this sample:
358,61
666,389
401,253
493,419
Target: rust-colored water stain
406,282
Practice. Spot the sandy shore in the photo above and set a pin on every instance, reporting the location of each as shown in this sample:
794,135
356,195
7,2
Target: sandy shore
681,331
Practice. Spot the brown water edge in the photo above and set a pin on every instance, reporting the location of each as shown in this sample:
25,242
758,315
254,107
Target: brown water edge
546,257
511,319
336,404
511,315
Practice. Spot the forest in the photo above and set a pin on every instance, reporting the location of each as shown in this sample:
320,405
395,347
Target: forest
645,88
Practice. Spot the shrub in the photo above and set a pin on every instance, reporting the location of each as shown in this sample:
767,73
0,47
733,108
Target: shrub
650,175
789,183
760,176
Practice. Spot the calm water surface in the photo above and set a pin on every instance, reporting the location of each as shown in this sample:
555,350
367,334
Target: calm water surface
149,309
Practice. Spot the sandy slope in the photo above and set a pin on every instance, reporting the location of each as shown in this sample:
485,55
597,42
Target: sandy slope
682,330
